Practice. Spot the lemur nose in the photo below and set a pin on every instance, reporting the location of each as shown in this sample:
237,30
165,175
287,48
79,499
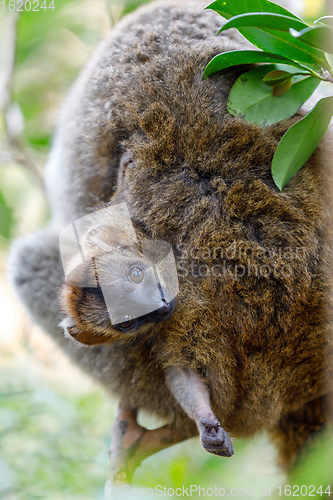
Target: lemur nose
166,309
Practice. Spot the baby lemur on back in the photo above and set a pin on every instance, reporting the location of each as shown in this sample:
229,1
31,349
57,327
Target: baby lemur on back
245,344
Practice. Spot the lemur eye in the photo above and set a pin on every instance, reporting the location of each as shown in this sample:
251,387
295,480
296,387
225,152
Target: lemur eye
126,325
137,275
125,161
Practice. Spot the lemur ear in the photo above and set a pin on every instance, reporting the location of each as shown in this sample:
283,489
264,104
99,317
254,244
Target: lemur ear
85,337
109,236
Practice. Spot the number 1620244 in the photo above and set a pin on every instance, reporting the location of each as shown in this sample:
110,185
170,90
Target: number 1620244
27,5
303,491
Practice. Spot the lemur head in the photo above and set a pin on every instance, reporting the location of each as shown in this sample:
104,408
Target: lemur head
115,291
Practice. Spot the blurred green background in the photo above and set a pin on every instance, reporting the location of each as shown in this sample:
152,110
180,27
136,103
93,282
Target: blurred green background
54,422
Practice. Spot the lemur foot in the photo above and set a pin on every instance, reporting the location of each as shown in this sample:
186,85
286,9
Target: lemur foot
214,438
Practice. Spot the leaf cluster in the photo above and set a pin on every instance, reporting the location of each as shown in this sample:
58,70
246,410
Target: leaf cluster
294,61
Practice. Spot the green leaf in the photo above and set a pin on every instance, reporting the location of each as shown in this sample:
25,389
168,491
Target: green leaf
277,77
253,100
230,8
264,20
318,36
330,59
279,42
328,20
271,40
282,88
236,57
300,141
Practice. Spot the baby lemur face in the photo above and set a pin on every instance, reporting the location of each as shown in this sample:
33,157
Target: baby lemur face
114,291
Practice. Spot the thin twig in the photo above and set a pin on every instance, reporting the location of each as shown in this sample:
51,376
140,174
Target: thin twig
24,157
9,67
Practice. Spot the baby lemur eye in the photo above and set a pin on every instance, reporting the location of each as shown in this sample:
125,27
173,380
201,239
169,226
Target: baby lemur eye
125,161
127,324
137,274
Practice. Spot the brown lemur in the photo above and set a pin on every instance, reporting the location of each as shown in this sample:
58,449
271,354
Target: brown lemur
246,344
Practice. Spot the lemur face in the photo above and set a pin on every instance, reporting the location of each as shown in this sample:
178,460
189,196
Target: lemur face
126,297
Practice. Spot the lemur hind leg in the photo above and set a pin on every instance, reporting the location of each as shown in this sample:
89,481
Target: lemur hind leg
131,444
192,394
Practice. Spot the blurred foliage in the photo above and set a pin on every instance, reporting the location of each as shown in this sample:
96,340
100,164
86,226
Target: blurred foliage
50,442
54,441
6,217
